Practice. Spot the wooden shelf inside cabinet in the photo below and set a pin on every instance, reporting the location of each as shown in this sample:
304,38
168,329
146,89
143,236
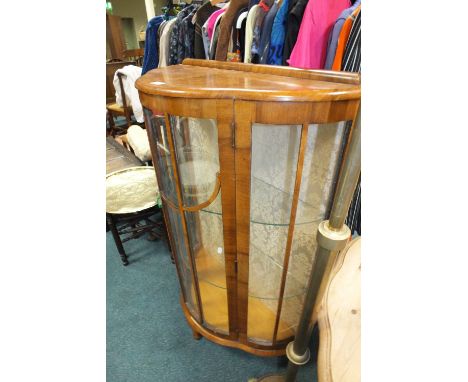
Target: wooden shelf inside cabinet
247,158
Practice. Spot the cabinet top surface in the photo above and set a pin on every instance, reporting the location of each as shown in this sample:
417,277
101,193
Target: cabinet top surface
214,79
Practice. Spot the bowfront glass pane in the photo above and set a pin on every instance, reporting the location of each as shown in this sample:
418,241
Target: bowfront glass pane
325,144
157,133
196,145
184,263
273,170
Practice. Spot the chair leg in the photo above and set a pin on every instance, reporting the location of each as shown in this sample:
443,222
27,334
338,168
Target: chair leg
110,119
128,118
118,242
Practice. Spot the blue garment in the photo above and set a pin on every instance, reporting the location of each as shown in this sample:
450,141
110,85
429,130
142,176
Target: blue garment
278,32
262,11
267,25
335,33
252,3
151,57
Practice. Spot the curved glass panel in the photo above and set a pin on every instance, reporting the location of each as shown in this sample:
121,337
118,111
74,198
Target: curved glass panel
325,144
273,171
183,262
158,134
196,146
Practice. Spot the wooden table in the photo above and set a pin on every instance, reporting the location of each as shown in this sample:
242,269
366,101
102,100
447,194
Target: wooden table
117,159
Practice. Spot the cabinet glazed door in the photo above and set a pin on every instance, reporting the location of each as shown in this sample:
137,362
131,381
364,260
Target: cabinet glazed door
192,184
285,179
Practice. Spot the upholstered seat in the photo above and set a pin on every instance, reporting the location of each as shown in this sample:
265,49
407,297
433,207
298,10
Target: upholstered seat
114,107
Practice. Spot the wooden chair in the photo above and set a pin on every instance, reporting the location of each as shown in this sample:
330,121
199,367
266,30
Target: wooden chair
135,55
111,68
113,109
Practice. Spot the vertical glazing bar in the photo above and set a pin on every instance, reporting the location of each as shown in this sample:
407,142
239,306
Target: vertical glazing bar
244,112
151,131
193,267
292,222
228,200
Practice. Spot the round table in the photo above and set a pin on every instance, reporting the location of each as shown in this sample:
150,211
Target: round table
132,196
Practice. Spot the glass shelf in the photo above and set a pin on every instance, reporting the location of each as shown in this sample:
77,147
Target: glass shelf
210,269
275,207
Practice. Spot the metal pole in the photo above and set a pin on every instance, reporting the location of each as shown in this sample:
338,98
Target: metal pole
332,236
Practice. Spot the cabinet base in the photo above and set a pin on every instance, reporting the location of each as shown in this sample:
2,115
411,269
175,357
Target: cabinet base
278,350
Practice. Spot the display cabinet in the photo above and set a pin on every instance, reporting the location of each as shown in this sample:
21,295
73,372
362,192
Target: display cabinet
247,158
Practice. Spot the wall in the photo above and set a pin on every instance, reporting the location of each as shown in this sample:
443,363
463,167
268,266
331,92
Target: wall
135,9
131,8
128,29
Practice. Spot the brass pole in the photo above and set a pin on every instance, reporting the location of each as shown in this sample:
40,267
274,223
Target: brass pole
332,236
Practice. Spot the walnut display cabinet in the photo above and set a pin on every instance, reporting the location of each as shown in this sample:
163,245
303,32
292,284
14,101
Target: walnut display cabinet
247,158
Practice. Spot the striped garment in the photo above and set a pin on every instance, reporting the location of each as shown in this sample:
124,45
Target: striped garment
352,54
352,63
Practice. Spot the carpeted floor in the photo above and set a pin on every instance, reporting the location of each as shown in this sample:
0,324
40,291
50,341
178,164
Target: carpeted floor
148,339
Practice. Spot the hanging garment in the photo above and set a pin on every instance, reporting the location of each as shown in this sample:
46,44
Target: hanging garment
265,35
203,13
151,55
249,33
264,7
234,49
239,34
225,27
242,16
293,23
352,63
311,45
186,36
343,39
164,43
160,29
212,21
131,74
352,53
335,33
252,3
174,39
206,40
278,31
215,37
353,220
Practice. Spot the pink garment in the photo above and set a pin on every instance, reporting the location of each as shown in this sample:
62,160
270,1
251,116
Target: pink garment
310,50
212,21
